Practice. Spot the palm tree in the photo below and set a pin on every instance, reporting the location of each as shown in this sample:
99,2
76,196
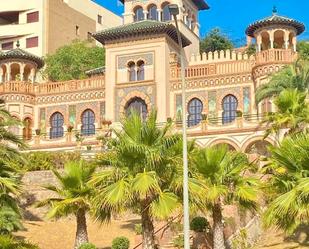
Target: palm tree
295,76
74,196
145,173
226,177
292,112
8,140
288,183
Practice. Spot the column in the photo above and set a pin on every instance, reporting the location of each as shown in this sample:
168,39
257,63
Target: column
21,71
159,13
1,74
271,39
259,43
294,42
8,72
145,12
32,75
286,39
197,29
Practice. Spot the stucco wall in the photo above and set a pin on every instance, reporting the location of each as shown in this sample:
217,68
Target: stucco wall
61,25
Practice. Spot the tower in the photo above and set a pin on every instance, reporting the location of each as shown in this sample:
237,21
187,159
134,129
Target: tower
138,55
276,40
158,10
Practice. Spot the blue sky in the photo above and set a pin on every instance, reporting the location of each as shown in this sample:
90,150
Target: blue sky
233,16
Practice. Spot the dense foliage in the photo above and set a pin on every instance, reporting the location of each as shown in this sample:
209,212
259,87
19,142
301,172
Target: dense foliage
121,243
41,160
288,186
295,76
303,49
72,61
9,242
215,41
199,224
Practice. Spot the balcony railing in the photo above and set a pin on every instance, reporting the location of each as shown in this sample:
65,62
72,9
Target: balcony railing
52,87
275,56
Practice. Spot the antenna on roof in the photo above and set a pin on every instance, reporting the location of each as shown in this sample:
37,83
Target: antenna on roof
275,10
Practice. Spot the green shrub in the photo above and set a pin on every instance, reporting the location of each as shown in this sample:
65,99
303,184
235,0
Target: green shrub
121,243
179,242
45,160
138,229
87,246
9,242
10,221
199,224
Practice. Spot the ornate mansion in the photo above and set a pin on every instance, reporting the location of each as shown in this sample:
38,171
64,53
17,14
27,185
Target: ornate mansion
142,72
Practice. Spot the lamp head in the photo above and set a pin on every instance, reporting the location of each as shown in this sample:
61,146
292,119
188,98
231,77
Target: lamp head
173,9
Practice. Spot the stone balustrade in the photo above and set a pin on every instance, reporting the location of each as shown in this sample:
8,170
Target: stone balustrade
52,87
275,56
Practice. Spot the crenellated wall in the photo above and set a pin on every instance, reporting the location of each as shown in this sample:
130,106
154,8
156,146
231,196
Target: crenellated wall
218,56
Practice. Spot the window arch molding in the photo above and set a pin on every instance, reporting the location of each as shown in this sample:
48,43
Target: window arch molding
132,95
195,108
88,122
56,122
131,65
230,105
138,13
152,10
166,16
138,105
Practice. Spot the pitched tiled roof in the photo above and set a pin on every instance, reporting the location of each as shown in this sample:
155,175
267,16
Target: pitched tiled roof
275,19
99,70
18,53
146,27
200,4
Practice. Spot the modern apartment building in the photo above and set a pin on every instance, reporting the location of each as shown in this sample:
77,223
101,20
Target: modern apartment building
41,26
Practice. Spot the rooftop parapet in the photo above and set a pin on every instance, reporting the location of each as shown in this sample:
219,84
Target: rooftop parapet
217,56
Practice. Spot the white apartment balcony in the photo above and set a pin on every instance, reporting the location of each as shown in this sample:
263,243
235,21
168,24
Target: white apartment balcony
9,31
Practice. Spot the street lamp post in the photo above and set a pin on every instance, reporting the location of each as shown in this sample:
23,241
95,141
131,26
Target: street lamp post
174,11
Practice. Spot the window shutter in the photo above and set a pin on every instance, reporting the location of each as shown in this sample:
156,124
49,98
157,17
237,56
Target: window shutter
33,17
32,42
7,46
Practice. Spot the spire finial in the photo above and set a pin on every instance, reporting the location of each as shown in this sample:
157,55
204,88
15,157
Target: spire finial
275,10
17,44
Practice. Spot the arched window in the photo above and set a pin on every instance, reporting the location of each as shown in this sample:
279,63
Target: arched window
137,105
132,71
27,130
152,13
195,108
166,16
140,70
56,125
229,105
138,14
88,120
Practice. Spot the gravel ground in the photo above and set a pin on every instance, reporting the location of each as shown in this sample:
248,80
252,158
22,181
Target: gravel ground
60,234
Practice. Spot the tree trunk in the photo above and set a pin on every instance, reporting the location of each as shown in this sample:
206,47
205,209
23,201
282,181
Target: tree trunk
148,229
218,235
81,230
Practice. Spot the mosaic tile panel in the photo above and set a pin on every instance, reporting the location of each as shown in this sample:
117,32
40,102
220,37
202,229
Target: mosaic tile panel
123,60
43,119
72,114
212,104
246,100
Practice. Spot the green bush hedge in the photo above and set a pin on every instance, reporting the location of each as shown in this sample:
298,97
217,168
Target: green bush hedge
87,246
9,242
45,160
199,224
121,243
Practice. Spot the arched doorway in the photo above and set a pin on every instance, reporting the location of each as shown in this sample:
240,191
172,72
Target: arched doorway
138,106
27,130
